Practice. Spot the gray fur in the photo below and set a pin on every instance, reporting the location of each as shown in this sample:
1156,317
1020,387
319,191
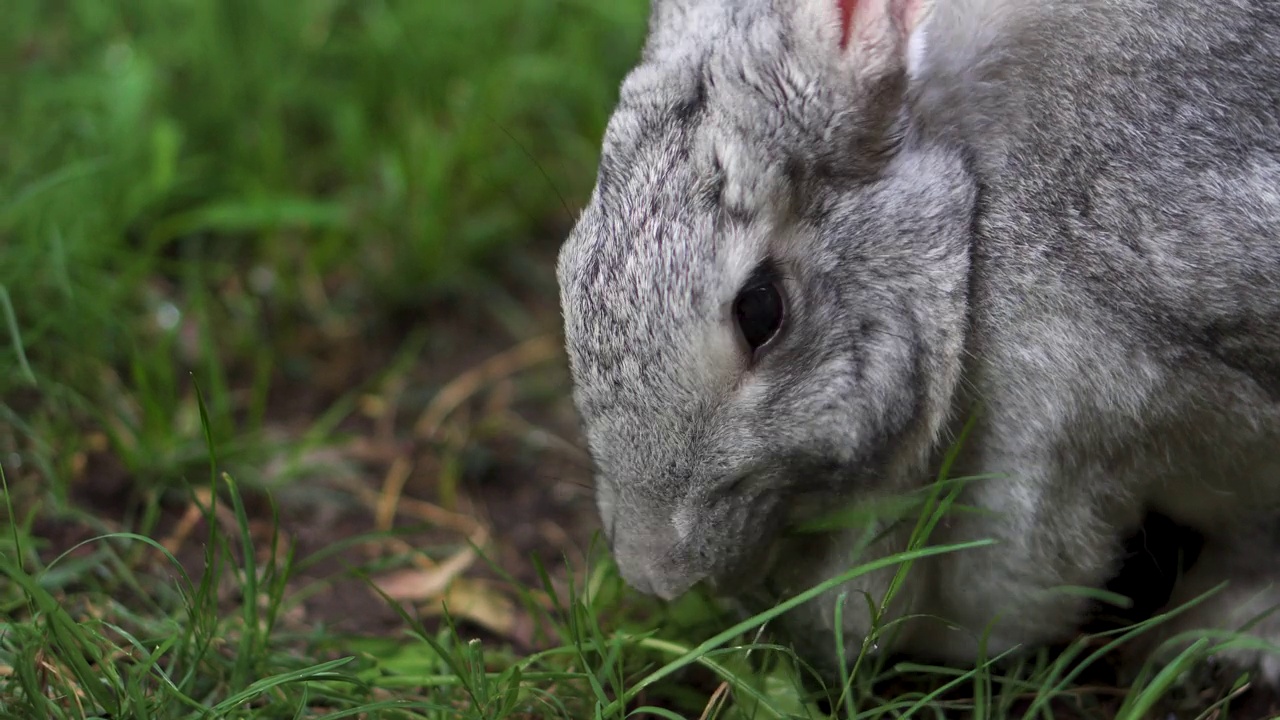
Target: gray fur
1064,212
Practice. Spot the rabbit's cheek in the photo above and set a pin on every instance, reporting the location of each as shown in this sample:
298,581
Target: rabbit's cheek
736,540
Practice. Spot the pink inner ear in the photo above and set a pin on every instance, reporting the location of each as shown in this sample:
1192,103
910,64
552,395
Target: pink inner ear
846,21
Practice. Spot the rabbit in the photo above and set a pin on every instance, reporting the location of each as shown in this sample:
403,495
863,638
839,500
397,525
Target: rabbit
826,236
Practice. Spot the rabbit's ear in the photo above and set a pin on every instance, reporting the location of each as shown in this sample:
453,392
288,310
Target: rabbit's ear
862,55
866,22
873,36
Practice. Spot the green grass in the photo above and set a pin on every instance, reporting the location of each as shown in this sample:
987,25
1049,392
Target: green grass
237,245
186,185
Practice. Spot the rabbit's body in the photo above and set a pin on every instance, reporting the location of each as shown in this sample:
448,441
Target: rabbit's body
1125,299
1066,214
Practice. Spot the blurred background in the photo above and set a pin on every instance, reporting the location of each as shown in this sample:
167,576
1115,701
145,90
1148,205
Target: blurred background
276,279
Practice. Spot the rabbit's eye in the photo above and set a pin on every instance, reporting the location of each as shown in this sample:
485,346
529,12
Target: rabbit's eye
759,311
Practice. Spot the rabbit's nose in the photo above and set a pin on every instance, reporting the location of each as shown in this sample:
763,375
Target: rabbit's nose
654,565
669,586
638,580
668,583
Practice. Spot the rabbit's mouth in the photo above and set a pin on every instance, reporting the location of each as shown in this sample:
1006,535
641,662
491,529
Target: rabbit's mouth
786,557
783,569
749,576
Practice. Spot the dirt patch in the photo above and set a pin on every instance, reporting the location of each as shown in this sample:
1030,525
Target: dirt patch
439,447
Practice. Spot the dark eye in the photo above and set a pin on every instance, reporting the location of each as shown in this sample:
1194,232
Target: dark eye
759,310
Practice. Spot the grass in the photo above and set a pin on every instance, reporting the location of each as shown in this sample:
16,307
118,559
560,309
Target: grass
275,318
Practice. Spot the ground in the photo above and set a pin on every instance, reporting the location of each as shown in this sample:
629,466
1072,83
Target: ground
284,417
522,481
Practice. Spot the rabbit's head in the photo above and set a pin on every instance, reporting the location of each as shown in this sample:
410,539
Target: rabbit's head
764,300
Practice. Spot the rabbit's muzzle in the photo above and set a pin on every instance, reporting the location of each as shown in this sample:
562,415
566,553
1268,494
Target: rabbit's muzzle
658,566
725,544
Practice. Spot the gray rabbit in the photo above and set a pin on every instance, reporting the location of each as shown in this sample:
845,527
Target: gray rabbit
827,233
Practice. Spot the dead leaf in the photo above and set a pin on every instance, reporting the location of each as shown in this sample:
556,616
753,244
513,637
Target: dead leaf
426,583
476,602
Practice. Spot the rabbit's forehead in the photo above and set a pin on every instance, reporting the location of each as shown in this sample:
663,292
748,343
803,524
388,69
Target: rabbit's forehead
673,223
647,281
647,284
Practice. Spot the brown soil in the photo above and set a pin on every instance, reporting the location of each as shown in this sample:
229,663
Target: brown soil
503,466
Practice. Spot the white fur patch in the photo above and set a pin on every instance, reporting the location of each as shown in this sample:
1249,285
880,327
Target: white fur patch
915,50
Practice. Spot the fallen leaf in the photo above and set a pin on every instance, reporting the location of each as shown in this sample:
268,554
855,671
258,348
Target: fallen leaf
426,583
476,602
